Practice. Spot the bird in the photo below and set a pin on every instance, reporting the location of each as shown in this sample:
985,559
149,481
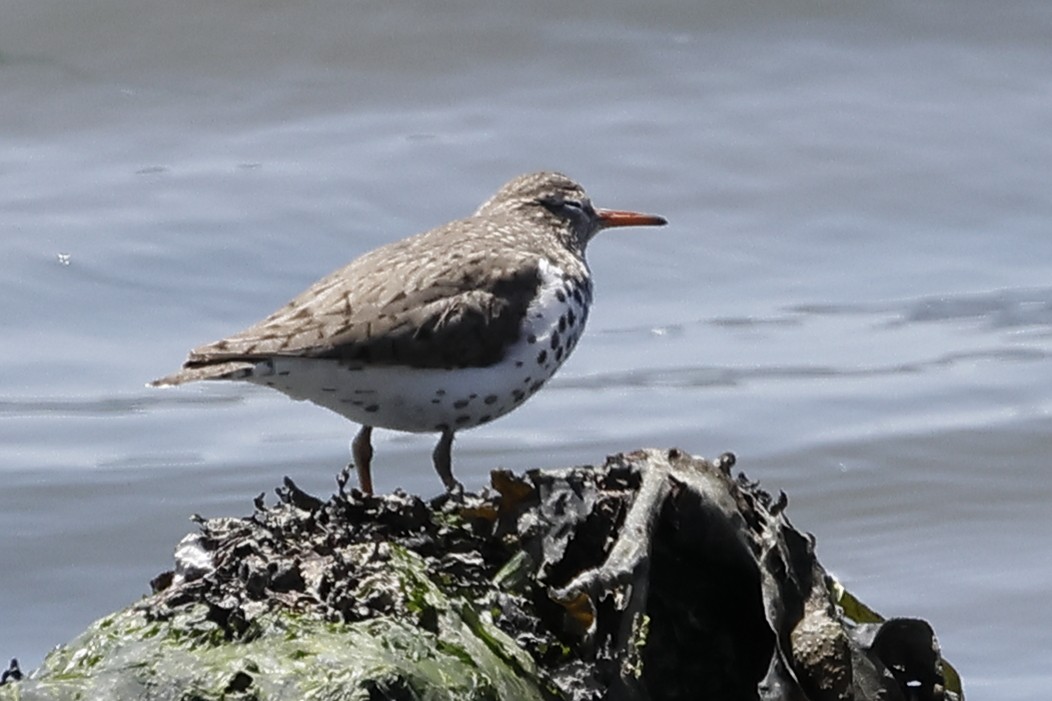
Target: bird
436,333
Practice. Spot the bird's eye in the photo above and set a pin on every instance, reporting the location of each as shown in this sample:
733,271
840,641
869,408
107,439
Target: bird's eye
566,207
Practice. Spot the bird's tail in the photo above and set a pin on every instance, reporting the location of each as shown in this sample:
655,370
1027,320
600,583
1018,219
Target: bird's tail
229,370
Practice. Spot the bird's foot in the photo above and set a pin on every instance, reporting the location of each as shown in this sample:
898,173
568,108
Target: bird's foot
454,494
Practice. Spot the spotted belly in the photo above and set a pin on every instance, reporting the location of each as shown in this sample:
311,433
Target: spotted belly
422,400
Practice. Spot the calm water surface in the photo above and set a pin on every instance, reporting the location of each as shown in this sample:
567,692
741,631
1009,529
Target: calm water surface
854,293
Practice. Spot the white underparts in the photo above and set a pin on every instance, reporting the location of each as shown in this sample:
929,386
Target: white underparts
427,400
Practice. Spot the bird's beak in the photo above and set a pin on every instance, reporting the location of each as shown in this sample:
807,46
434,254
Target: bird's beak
610,218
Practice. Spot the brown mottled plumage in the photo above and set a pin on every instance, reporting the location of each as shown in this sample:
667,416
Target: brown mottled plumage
444,310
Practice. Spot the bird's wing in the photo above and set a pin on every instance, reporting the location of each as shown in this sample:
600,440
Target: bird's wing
421,318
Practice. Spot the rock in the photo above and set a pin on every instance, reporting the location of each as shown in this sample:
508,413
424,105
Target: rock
655,576
13,673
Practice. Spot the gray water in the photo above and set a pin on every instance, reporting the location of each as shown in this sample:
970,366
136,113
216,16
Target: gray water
853,294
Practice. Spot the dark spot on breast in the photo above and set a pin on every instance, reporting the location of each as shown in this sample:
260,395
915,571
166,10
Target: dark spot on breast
461,403
518,363
571,318
560,295
541,357
562,323
283,373
328,389
440,392
518,394
463,419
531,338
484,419
442,427
536,386
473,396
555,340
558,353
577,296
372,408
527,381
436,401
491,399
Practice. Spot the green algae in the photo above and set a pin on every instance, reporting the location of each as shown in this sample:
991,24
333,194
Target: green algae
288,656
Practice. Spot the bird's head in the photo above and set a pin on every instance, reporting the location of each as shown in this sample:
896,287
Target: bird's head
554,200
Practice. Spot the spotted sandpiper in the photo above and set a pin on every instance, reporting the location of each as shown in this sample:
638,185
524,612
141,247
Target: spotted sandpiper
440,332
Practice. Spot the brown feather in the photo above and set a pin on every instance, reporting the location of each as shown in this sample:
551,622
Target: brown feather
230,370
402,305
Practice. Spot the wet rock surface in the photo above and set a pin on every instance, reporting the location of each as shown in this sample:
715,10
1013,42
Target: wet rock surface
657,575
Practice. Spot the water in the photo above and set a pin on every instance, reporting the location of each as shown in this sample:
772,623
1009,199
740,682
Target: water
853,293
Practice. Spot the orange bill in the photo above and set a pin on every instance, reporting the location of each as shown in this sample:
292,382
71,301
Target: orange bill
614,217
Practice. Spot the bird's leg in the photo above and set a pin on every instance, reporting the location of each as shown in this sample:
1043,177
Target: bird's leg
362,452
444,462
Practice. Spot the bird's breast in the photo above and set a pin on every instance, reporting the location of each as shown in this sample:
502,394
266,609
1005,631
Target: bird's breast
553,323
